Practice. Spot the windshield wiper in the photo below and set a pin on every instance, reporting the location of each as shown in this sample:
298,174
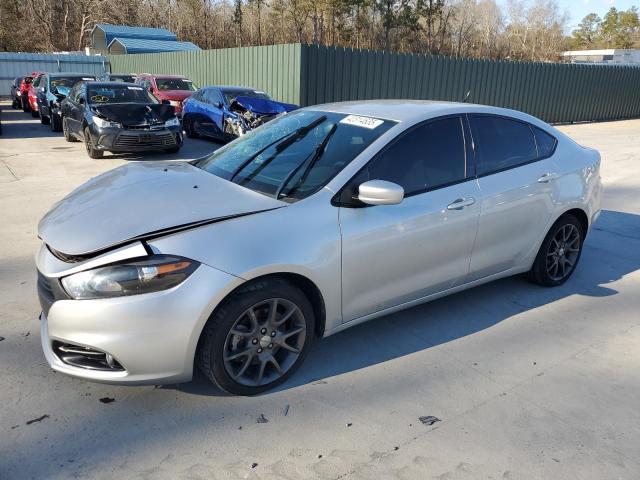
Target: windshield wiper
280,143
307,165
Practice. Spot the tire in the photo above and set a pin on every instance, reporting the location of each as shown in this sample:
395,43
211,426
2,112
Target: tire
562,247
65,131
188,128
88,143
34,113
25,105
262,339
55,123
43,120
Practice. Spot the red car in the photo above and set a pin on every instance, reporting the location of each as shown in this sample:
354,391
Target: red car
25,84
174,88
32,94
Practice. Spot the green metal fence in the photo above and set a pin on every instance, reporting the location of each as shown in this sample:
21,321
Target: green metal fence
274,69
310,74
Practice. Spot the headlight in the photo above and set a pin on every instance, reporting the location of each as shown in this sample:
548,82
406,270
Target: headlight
18,93
102,123
151,274
173,122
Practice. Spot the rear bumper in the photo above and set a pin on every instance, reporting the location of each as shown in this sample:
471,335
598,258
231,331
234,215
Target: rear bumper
123,140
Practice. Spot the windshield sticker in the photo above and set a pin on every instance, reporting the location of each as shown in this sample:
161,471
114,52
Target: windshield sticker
364,122
134,88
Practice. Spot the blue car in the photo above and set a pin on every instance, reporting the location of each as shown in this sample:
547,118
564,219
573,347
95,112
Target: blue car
224,113
52,89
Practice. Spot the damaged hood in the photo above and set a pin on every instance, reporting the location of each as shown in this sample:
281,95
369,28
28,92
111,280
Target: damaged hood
135,113
261,106
143,199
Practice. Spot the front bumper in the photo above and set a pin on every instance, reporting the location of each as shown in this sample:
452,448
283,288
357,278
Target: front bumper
130,140
152,337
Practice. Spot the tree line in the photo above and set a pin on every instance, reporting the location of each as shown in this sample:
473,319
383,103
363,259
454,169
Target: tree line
617,29
515,29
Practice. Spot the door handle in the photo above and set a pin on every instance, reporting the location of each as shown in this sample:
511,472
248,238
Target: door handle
547,177
460,203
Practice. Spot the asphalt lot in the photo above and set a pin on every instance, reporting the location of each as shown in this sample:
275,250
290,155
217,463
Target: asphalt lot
526,382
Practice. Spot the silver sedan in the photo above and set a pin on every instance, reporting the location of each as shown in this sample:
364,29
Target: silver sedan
321,219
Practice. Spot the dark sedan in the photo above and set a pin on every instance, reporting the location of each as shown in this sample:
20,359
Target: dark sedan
119,117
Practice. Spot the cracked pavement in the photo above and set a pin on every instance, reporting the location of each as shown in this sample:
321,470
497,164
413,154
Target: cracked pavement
527,382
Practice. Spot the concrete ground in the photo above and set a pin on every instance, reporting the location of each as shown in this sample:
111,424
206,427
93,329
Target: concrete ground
525,382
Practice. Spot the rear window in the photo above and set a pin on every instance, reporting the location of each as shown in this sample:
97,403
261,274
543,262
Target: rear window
501,143
545,142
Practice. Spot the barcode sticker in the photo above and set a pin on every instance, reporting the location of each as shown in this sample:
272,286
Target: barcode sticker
364,122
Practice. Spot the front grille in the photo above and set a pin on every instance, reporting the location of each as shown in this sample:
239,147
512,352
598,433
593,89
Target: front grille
135,141
145,126
85,357
49,291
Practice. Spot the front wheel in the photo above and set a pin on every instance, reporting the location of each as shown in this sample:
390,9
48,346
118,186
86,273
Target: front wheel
88,143
257,338
189,128
43,120
25,104
34,113
559,253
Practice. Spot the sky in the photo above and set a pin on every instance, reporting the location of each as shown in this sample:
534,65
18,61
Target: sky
578,9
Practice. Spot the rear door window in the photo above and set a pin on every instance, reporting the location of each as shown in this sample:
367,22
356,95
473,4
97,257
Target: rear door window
501,143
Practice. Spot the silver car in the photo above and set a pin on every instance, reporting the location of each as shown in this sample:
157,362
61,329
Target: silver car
319,220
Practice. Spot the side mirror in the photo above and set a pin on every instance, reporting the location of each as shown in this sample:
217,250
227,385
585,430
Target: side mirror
218,105
380,192
81,101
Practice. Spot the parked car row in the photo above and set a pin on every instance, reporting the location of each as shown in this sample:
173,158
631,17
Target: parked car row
120,112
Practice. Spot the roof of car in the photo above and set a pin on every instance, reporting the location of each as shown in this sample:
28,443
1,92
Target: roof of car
107,83
414,110
158,75
231,88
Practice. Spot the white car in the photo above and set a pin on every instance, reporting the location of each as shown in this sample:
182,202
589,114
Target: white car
319,220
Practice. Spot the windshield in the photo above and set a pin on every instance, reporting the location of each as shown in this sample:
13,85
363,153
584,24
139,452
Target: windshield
174,84
230,95
68,82
101,94
296,154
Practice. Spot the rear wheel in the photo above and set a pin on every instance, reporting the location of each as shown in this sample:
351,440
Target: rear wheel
88,144
257,338
65,131
559,253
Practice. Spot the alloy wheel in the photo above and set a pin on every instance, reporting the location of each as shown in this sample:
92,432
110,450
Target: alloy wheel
563,252
264,342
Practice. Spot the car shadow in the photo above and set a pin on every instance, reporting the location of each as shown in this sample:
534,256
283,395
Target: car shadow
462,314
19,124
